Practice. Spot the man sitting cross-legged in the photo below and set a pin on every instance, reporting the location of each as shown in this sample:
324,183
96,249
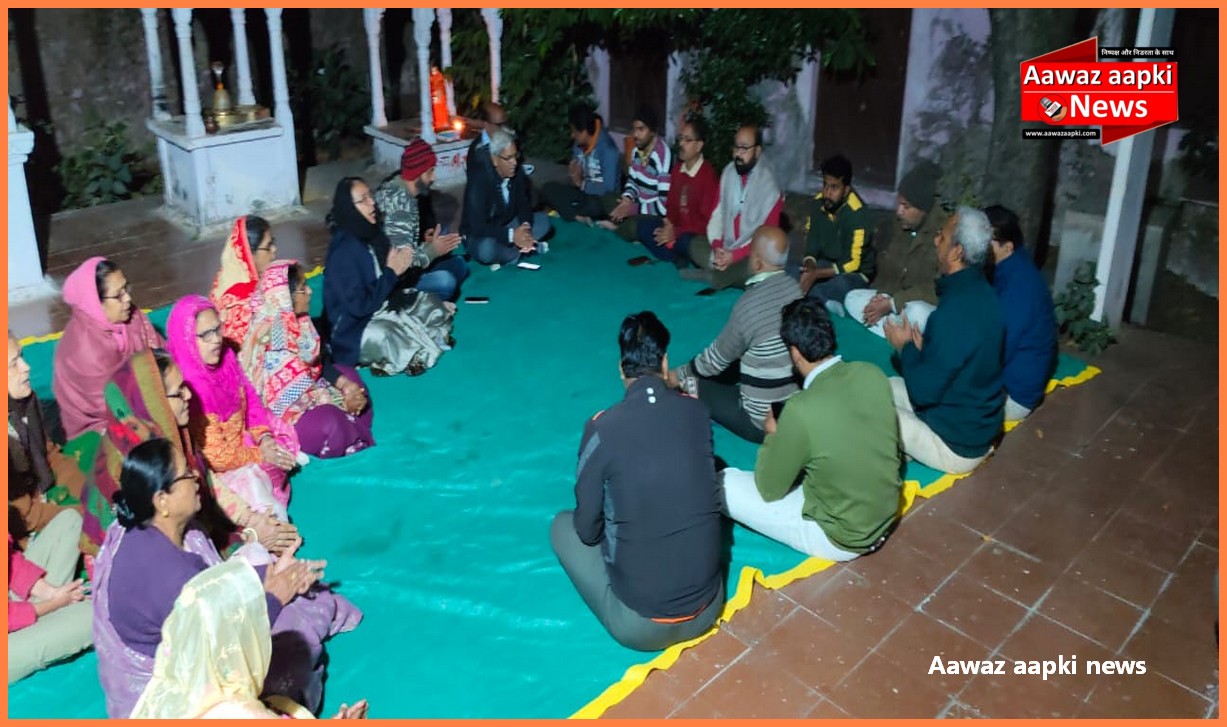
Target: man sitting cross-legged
951,396
498,222
643,545
750,344
840,435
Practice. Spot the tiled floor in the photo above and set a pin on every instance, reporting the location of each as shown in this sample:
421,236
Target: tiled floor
1093,532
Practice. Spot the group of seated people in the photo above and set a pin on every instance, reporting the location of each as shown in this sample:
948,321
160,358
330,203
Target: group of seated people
643,543
175,481
176,475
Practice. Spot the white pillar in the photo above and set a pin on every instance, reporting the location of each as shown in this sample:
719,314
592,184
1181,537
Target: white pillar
494,29
242,67
281,96
600,61
445,38
187,71
673,79
1126,198
153,53
372,18
25,270
807,93
423,19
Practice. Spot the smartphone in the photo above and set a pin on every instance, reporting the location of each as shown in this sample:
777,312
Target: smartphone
641,260
706,292
777,408
528,266
477,299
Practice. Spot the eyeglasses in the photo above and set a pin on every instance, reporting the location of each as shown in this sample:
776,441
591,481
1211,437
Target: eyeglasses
213,333
507,159
180,394
124,292
743,147
191,475
365,199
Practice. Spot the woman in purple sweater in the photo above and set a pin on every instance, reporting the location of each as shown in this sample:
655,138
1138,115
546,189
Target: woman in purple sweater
153,549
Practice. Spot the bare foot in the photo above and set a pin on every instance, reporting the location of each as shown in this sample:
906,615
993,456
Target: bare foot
606,225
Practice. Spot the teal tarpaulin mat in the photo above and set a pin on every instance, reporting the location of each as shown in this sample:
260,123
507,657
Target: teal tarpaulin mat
440,532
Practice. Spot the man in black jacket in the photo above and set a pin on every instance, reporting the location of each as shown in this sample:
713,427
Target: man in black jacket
498,223
643,544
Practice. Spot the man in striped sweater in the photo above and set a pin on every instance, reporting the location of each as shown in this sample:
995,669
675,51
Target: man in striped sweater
647,182
751,338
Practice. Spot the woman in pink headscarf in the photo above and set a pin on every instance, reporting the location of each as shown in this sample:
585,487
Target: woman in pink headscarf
250,451
106,328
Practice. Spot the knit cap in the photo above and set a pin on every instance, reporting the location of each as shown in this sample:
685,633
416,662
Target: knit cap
417,158
919,185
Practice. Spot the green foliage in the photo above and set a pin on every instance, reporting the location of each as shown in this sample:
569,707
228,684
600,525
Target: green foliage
738,48
339,98
1073,311
734,49
105,168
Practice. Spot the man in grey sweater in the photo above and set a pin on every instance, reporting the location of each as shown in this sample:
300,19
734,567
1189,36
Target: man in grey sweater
740,399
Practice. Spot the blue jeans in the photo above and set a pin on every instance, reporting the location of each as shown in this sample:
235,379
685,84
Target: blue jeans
679,254
444,276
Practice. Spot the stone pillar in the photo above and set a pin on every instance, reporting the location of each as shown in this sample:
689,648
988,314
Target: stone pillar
25,268
445,38
372,18
423,19
494,29
807,92
1127,196
673,77
281,93
187,71
598,72
153,53
242,67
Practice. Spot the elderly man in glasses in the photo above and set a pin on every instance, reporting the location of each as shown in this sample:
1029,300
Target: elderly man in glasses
498,223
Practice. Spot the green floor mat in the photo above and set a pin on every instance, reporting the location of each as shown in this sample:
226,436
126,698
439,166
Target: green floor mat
440,532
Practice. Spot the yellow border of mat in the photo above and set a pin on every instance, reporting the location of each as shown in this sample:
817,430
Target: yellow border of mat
637,674
30,340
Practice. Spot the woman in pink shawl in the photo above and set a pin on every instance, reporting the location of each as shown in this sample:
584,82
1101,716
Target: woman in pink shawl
250,451
103,333
326,404
248,251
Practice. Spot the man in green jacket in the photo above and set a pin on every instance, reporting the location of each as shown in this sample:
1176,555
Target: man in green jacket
906,265
842,434
839,254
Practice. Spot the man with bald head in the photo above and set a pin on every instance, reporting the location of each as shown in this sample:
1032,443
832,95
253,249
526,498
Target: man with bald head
748,366
492,117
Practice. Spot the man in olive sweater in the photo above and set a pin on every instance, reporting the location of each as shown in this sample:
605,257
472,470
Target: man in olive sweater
952,396
841,432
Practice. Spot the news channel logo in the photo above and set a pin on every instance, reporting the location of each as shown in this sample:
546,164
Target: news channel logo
1054,109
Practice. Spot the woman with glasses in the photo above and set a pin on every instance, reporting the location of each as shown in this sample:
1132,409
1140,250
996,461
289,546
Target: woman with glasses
248,251
150,388
327,405
105,329
154,549
374,321
251,452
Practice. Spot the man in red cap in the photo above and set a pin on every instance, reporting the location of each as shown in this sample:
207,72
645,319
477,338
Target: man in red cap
399,197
